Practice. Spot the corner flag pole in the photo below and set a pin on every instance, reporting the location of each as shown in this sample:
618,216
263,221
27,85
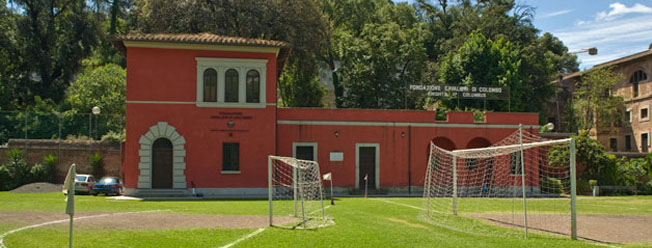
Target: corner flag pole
70,200
365,185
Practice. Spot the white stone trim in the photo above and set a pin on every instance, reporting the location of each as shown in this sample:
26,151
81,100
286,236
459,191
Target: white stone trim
242,66
400,124
162,130
357,162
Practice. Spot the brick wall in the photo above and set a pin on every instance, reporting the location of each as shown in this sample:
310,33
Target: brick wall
68,152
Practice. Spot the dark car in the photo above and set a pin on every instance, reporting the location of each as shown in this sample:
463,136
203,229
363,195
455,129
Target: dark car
108,185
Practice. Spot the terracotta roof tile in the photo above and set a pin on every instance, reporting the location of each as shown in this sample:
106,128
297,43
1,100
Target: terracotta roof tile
205,38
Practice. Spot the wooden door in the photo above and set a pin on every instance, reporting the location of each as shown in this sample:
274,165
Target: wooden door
367,166
162,164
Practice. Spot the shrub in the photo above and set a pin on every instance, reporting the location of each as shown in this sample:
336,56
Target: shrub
97,165
112,136
38,173
551,185
50,163
5,179
19,171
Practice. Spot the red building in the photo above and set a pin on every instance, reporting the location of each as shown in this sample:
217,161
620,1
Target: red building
201,112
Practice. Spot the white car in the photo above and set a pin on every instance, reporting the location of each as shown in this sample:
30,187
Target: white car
83,184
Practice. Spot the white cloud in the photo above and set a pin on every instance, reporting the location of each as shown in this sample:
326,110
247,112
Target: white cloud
618,9
613,38
557,13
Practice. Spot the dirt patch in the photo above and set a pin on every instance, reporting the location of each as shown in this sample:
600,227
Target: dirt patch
38,188
145,220
602,228
406,223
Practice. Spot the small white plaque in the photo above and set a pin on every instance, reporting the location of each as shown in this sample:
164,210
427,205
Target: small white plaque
337,156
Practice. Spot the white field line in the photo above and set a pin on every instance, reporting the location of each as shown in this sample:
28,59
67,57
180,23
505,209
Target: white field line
401,204
244,238
320,209
410,206
2,236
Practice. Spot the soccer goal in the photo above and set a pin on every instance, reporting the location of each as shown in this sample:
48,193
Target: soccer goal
521,183
296,195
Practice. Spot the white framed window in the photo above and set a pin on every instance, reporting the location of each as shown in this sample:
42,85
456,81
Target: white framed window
231,83
645,114
628,115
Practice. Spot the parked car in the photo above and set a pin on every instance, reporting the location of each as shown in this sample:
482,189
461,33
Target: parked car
108,185
83,184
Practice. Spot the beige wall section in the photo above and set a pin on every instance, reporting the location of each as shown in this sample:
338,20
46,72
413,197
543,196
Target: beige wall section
637,126
162,130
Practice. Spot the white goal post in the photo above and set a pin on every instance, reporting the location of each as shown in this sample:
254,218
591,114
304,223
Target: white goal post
295,193
465,187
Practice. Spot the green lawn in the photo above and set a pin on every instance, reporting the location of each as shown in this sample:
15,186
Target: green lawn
359,223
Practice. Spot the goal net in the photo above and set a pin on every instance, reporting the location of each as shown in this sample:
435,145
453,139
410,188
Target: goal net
295,194
517,186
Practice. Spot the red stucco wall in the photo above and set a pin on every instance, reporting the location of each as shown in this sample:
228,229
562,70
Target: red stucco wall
169,75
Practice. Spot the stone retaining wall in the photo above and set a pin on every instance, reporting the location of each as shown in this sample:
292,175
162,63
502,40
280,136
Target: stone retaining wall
68,152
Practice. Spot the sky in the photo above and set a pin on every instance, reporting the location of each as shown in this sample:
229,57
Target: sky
616,28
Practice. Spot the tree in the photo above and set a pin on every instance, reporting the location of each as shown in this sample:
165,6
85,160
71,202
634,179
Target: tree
591,158
104,87
452,22
483,62
8,82
295,21
594,104
379,47
54,36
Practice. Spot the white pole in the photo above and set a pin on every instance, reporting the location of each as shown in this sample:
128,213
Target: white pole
426,192
303,210
70,239
321,195
269,187
573,191
294,188
454,185
520,140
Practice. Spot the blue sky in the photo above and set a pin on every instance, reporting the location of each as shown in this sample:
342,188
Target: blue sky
617,28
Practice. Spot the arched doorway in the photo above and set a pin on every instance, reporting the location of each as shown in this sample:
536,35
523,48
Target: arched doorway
162,164
478,142
444,143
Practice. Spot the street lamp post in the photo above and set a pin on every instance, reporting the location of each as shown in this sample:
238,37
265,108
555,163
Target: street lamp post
96,111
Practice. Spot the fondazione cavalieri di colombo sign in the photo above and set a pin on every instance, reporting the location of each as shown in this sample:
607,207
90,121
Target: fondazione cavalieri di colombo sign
463,91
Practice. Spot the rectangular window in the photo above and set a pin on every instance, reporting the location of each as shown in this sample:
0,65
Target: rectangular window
644,114
628,116
230,156
613,144
471,164
628,143
644,142
515,163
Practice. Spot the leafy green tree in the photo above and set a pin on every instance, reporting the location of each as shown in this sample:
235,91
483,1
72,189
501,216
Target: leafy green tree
104,87
8,52
594,102
299,89
53,37
541,57
592,161
298,22
481,61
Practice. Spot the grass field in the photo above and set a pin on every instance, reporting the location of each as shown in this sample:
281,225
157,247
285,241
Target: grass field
373,222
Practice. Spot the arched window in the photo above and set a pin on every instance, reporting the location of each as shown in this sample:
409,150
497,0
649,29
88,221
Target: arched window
231,87
253,86
638,76
210,85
